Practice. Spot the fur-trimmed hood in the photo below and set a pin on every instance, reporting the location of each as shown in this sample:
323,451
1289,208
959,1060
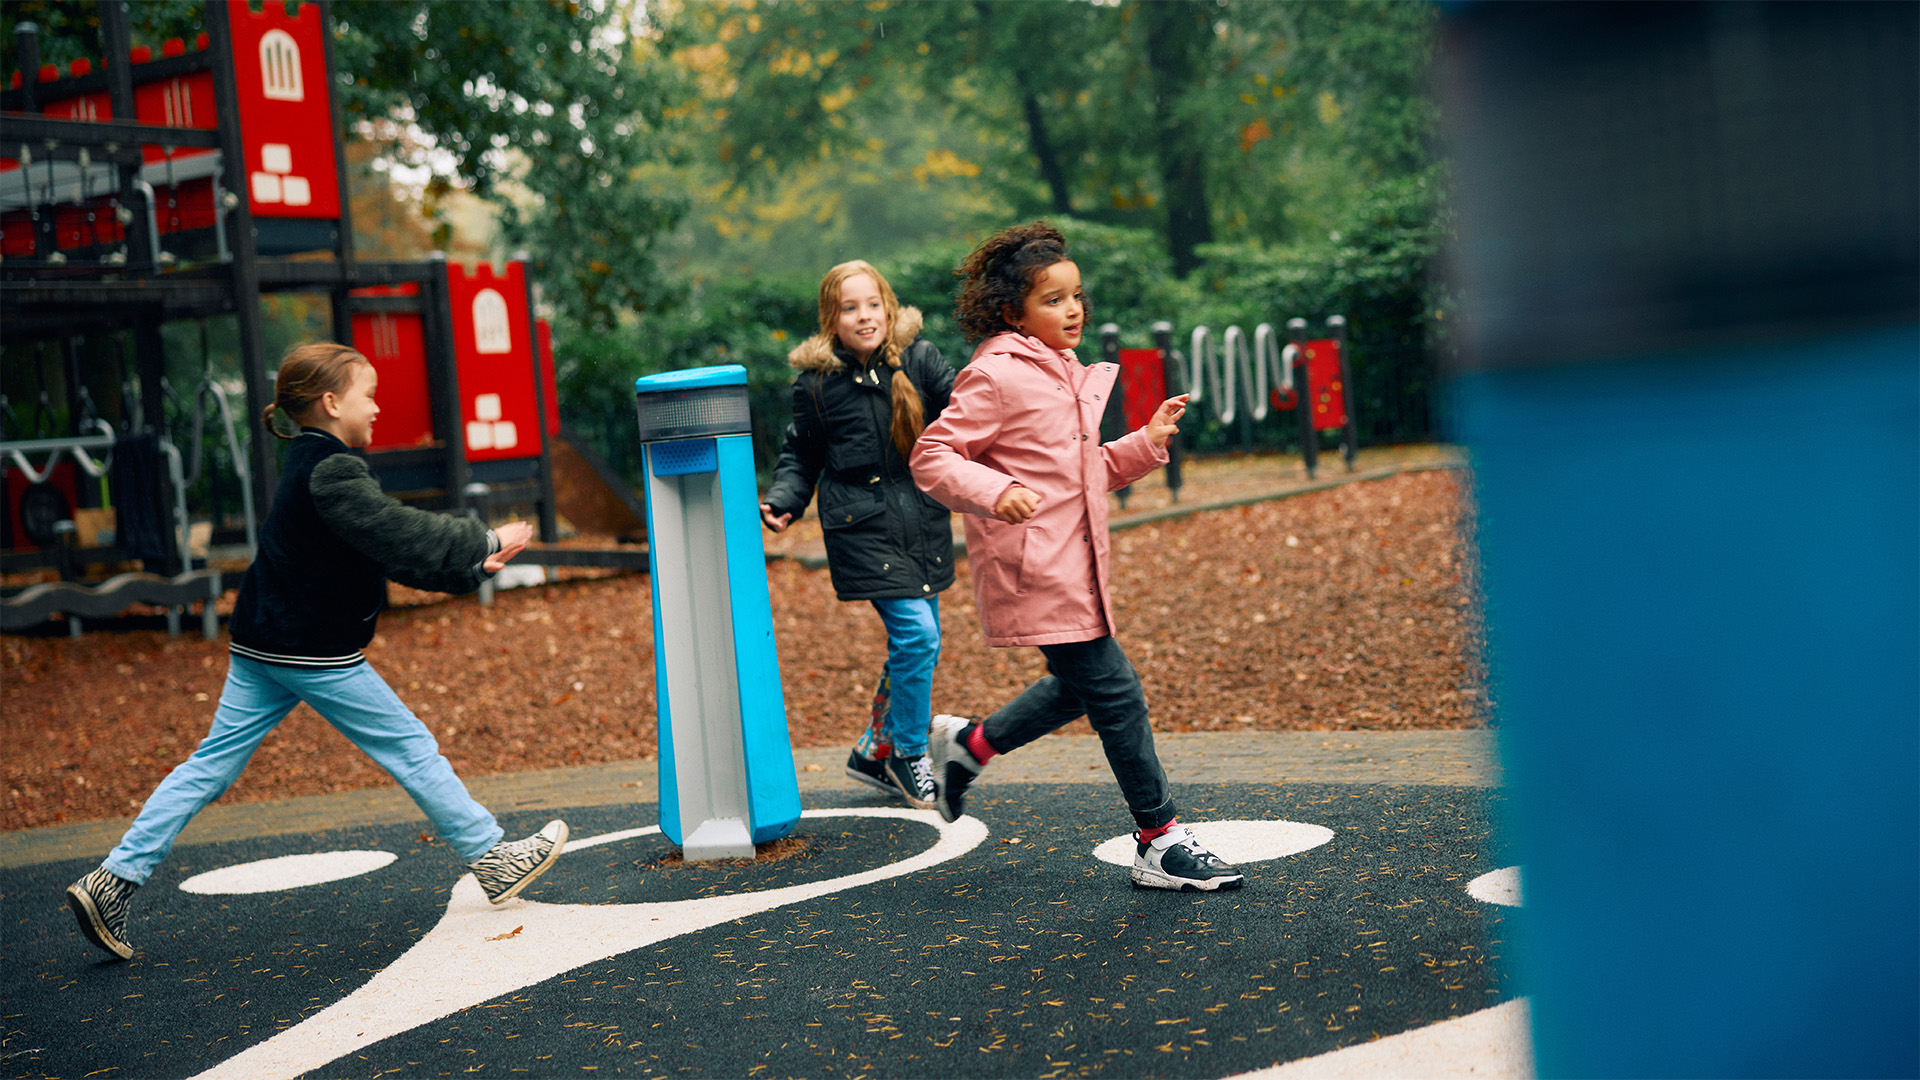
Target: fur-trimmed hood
816,353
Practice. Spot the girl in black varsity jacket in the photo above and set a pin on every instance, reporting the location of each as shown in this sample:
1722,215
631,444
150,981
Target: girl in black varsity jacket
307,607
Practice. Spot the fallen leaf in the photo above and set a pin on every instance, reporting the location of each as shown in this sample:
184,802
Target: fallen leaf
515,932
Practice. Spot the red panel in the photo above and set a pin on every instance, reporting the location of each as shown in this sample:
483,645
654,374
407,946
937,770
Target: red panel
545,330
64,480
492,347
286,120
1143,384
183,101
16,235
86,224
396,344
1329,389
97,106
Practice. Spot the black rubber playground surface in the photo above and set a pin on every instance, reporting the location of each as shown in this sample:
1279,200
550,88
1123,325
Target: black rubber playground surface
1017,953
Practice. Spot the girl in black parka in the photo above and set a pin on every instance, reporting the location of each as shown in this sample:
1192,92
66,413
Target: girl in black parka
867,385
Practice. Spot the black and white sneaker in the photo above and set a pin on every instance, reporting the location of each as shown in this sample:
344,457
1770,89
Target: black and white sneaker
954,766
100,902
512,865
871,770
913,779
1175,860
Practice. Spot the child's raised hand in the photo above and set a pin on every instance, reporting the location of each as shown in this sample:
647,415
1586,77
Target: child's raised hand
1166,420
776,522
1016,505
513,538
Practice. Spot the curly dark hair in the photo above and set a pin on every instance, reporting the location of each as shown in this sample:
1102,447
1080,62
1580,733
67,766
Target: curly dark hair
999,274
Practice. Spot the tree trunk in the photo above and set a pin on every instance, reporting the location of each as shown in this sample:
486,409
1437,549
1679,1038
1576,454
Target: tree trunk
1178,36
1050,170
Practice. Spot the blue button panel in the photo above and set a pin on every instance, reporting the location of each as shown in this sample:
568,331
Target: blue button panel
684,458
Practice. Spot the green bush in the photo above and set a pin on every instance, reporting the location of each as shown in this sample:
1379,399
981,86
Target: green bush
1374,269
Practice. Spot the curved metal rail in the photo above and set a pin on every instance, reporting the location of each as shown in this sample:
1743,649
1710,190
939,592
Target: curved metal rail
1227,370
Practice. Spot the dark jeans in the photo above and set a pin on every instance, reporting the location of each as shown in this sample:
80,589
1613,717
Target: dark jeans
1092,679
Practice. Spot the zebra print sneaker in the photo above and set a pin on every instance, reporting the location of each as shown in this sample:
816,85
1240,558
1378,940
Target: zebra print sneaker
100,902
512,865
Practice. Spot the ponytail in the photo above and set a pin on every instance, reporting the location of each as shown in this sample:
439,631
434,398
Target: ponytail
908,419
308,373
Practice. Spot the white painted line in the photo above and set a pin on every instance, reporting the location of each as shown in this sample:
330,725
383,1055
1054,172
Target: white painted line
1235,841
287,872
468,958
1500,886
1492,1044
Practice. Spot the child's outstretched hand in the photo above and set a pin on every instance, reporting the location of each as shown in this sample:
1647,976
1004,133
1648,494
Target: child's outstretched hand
776,522
1166,420
513,540
1016,505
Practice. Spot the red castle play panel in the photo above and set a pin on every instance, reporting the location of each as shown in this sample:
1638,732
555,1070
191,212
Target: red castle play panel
493,347
286,114
499,419
395,342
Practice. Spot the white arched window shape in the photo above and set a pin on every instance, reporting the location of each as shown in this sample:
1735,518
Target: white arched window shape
490,331
280,67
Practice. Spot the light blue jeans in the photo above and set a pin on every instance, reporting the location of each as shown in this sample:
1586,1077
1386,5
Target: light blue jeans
913,648
355,700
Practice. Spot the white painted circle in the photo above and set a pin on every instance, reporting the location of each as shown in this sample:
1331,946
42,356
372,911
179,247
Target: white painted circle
1234,841
1500,886
287,872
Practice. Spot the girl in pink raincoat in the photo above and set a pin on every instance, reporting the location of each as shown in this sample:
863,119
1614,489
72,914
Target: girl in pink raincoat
1017,450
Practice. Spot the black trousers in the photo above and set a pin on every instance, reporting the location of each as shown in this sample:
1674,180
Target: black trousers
1096,680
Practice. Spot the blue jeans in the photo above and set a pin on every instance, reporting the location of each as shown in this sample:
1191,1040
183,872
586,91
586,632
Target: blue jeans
913,648
355,700
1094,679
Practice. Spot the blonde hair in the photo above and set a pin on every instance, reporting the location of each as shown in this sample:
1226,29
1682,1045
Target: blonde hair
908,417
308,373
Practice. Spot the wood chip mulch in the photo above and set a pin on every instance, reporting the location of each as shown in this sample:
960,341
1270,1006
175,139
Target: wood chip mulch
1349,608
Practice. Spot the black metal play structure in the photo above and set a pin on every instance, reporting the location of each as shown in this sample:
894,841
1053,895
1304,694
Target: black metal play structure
153,189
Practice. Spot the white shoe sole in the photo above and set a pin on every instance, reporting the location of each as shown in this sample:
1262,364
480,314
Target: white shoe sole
92,925
1146,877
856,774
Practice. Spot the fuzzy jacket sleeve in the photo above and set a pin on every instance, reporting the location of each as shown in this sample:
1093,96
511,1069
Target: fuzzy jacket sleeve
413,545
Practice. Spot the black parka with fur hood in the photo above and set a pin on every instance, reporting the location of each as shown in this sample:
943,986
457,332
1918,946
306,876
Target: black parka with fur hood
886,540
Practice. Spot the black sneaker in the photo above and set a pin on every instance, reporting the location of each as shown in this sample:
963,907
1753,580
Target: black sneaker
870,770
513,864
954,766
1175,860
913,779
100,901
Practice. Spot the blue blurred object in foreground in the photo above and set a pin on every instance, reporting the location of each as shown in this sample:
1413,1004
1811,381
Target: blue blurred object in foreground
1690,251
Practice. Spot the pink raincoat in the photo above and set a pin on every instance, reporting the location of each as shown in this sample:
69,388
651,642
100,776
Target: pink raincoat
1023,412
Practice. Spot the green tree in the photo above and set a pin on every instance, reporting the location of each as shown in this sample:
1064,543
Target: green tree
552,110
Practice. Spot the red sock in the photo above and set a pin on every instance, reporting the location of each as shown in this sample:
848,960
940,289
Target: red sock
1147,836
977,745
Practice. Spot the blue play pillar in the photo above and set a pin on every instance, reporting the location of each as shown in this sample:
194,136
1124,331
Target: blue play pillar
1690,387
726,761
